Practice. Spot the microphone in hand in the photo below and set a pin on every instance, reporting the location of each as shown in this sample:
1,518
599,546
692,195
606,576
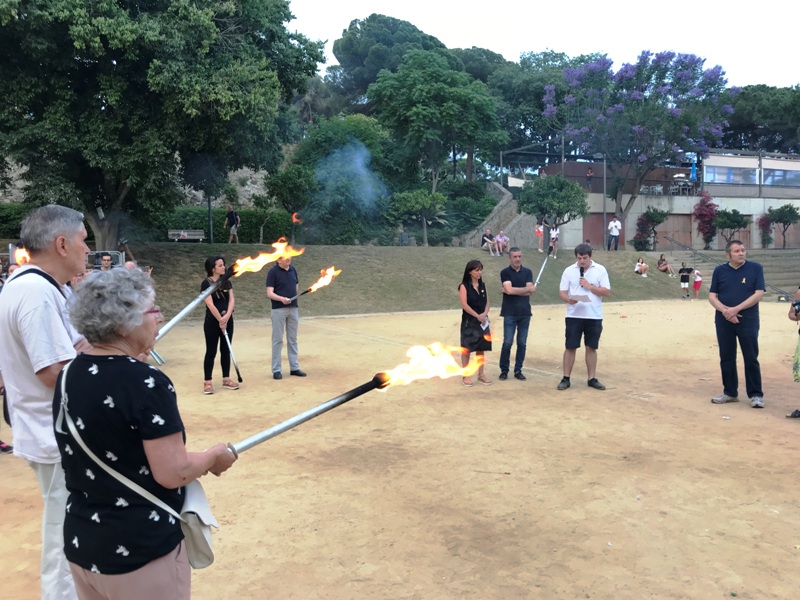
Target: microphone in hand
581,270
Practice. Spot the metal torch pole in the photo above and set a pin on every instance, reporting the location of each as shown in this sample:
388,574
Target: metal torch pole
303,293
379,381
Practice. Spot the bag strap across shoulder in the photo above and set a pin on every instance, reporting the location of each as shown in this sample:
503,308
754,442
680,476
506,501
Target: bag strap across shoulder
63,414
40,273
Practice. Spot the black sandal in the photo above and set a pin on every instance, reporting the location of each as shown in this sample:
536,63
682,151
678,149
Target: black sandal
795,414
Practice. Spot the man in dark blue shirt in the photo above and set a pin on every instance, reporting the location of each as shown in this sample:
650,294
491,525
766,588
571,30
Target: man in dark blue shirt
736,289
282,284
516,312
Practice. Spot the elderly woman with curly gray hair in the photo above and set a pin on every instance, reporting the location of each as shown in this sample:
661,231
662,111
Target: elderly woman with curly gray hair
118,544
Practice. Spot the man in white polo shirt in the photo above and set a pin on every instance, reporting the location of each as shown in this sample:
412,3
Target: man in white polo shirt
583,287
37,340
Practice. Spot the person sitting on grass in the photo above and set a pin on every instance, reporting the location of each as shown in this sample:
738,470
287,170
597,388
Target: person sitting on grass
488,242
665,267
502,242
641,267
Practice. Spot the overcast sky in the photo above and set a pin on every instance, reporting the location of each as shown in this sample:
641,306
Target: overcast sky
754,43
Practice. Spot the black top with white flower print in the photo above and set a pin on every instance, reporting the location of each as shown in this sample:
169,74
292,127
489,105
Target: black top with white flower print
116,402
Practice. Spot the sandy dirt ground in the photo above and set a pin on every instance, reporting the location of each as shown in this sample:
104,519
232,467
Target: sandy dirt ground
514,490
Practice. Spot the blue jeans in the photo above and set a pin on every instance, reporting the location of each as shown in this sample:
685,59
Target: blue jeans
746,332
615,239
520,325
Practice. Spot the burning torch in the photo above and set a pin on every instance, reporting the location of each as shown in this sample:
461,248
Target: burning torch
243,265
327,276
425,362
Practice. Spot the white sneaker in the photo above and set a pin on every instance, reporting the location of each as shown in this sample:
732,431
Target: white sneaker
644,274
723,398
757,402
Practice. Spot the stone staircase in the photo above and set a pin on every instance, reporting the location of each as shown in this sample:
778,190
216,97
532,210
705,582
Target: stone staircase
781,267
519,228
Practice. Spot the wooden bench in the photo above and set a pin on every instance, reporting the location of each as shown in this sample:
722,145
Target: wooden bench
186,235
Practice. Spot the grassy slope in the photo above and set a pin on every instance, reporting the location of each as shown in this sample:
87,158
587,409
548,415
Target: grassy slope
380,279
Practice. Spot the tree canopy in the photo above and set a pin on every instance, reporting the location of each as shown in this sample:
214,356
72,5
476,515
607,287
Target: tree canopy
105,103
431,107
729,223
375,43
560,200
646,114
765,118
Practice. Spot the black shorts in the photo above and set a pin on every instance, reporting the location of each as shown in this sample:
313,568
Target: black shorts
590,329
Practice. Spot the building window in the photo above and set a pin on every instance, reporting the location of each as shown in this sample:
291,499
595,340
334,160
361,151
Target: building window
731,175
781,177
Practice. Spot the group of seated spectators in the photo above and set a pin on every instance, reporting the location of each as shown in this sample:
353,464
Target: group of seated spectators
641,267
496,245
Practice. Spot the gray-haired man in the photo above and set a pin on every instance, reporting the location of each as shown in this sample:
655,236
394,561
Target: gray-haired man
37,340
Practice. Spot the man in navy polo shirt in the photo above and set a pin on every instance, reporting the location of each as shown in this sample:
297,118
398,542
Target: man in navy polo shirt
736,289
516,312
282,284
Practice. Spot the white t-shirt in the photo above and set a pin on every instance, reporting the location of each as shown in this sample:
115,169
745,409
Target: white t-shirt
35,333
614,227
554,233
697,276
570,282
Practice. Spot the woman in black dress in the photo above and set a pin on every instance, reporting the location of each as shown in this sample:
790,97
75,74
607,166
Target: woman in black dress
475,334
219,318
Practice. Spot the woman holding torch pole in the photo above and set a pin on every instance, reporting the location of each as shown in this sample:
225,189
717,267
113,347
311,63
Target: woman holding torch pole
475,334
118,543
219,318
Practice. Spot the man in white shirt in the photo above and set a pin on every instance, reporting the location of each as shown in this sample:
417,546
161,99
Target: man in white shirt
583,287
613,233
37,340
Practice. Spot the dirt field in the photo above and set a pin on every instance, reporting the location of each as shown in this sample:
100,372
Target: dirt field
516,490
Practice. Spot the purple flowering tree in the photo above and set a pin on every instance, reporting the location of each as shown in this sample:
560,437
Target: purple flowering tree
644,115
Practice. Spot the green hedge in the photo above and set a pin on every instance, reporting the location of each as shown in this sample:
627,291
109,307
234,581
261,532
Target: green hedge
276,224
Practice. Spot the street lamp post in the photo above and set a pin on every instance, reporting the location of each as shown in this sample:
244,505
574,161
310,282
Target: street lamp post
605,218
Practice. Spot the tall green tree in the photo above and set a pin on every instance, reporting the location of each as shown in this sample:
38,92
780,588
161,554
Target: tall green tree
521,86
431,106
647,113
560,200
106,103
370,45
765,118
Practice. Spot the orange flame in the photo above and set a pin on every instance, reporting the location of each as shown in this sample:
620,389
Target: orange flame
296,219
487,337
253,265
327,276
427,362
21,256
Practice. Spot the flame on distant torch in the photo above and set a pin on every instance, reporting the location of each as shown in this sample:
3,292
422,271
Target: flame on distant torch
487,337
427,362
21,256
253,265
327,276
296,219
